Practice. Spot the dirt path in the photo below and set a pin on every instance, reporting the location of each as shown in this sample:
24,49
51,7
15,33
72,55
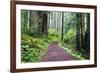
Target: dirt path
55,53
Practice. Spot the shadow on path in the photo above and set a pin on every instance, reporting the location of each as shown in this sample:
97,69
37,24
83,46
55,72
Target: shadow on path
56,53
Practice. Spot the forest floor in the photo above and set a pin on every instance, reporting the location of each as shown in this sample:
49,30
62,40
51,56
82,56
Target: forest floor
56,53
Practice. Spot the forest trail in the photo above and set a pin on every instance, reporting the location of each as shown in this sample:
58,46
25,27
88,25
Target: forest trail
56,53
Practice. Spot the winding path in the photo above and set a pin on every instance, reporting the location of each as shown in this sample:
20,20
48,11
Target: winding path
56,53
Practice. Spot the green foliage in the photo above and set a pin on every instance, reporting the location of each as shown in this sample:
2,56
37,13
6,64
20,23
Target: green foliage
32,48
24,20
24,17
29,54
37,33
70,38
32,31
53,35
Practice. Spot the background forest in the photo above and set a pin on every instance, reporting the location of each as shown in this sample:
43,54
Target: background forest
40,28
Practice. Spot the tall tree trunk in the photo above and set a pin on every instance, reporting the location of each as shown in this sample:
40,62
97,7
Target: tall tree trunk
62,25
44,23
40,19
82,27
78,45
28,21
88,32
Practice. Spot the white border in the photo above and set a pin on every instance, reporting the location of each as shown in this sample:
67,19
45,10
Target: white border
20,65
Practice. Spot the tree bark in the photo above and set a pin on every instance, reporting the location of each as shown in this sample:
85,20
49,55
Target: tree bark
62,25
78,32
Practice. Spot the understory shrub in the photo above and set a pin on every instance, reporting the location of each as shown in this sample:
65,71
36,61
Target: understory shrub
32,48
53,35
70,38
